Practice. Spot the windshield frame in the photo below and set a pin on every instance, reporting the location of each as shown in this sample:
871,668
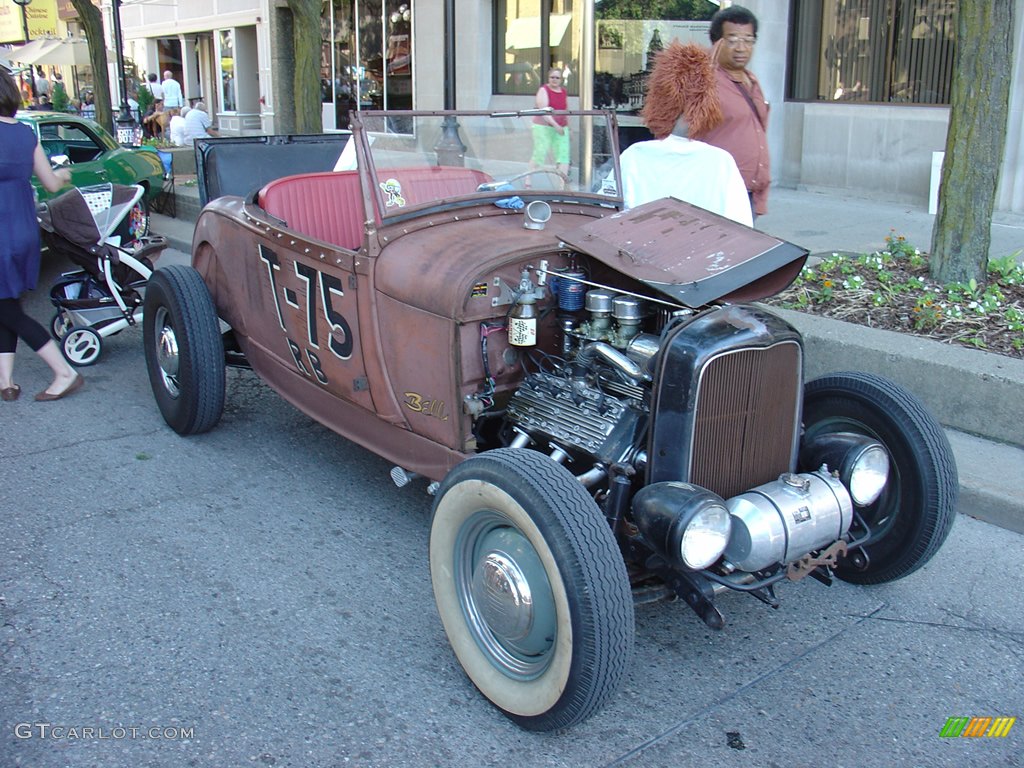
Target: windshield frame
605,196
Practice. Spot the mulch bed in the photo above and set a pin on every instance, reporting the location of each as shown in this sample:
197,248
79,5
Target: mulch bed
902,297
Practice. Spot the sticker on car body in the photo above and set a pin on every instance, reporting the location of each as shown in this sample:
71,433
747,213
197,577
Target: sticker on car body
392,189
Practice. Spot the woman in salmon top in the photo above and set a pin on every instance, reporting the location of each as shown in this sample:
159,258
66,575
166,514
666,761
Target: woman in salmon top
551,132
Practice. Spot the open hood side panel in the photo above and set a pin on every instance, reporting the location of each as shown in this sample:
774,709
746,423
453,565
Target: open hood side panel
689,254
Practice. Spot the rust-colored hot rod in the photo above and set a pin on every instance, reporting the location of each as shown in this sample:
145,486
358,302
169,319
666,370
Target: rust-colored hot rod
596,403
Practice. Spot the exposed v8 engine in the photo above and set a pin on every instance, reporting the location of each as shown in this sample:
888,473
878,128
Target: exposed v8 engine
727,506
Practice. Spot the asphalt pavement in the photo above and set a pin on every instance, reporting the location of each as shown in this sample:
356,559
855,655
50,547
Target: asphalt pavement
259,596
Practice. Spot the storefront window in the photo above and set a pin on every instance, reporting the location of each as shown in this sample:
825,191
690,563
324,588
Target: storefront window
629,34
397,79
367,56
339,81
521,60
894,51
226,57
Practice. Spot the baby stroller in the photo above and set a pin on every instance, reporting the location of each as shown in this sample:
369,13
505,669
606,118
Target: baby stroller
101,228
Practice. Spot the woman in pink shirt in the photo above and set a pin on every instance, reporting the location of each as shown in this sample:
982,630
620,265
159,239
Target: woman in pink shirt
551,132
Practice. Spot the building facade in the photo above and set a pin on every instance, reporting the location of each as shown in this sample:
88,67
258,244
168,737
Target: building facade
859,88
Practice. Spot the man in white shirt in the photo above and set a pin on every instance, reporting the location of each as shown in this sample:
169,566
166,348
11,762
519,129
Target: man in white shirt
42,86
197,124
687,170
177,128
173,98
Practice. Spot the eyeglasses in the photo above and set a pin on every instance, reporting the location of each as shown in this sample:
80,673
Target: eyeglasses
734,41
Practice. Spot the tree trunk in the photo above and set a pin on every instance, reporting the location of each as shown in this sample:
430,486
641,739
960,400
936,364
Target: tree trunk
974,145
91,19
306,35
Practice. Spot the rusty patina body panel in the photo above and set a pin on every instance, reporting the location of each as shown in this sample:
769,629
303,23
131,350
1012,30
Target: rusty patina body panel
393,368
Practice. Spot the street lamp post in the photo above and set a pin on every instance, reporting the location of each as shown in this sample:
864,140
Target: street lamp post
24,24
450,149
127,128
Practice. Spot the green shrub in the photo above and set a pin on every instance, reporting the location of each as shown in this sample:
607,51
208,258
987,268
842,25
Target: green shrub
59,97
145,98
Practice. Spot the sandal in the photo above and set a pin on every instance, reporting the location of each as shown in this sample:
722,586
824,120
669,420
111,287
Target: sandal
10,394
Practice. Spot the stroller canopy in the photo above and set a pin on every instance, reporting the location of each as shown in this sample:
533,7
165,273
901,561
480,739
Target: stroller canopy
86,216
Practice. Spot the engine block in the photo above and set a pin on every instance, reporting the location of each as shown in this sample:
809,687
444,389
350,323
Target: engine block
569,412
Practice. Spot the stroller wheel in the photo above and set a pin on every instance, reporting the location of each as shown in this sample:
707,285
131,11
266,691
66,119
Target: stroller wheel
81,346
59,325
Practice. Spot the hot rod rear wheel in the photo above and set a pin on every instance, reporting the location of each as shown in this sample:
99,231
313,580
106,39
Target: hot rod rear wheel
184,350
531,587
915,512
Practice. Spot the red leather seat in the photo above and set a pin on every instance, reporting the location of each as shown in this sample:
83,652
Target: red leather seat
326,206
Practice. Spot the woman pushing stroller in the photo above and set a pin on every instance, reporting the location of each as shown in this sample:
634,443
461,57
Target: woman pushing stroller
20,156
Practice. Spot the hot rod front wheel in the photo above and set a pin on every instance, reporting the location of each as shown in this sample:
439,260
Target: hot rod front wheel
184,350
914,514
531,587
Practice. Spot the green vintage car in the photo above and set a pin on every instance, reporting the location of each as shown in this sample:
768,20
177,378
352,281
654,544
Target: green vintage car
92,154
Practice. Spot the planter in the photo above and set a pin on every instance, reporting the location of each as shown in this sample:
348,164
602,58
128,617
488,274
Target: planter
183,160
969,390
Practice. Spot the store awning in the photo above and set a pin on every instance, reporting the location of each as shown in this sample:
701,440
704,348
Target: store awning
523,33
25,54
69,51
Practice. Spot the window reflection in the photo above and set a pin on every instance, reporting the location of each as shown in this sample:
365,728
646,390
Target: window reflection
226,47
367,56
628,38
896,51
521,59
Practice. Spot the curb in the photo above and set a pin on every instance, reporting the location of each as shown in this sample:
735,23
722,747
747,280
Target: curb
969,390
977,396
989,480
178,231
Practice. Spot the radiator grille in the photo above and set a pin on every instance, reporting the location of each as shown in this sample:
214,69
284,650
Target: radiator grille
746,418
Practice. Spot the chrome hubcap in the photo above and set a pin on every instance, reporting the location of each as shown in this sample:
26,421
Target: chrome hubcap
502,594
167,352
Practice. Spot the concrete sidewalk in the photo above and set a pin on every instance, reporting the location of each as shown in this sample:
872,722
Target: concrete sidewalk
977,396
824,222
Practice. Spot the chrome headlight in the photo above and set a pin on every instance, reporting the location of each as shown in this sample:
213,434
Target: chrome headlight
705,536
866,474
687,524
861,463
